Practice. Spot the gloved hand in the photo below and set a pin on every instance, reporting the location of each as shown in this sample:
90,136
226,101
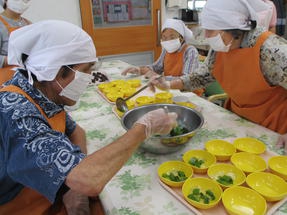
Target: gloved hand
76,204
158,122
282,142
159,83
135,70
150,74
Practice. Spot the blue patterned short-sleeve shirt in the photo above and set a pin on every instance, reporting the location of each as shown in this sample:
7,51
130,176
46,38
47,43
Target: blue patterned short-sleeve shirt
31,153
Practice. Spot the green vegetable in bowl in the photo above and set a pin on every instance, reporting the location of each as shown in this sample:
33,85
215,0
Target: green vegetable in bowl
196,162
178,130
176,176
225,180
198,196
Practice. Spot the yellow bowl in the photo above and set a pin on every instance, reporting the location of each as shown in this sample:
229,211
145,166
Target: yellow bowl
249,144
128,91
242,200
248,162
221,149
186,104
236,174
144,100
130,104
198,155
112,96
118,83
174,166
102,86
278,166
163,97
120,113
134,82
203,184
271,187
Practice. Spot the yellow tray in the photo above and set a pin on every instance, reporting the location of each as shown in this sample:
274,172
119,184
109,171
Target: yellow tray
219,209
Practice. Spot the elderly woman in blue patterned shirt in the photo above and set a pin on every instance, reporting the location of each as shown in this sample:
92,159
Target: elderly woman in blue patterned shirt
43,153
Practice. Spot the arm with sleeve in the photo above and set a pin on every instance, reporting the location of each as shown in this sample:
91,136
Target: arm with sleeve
273,61
3,44
157,66
201,76
37,156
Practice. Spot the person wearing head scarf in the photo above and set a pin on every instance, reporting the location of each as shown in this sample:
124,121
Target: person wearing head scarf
43,152
10,20
247,61
177,57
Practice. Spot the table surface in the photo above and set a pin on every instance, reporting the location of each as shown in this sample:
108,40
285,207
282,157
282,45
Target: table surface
135,190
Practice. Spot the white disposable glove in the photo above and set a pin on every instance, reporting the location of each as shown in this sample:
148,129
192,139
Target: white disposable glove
135,70
160,83
282,142
150,74
158,122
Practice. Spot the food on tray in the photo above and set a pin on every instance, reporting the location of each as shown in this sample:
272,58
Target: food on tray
174,175
225,180
196,162
178,130
198,196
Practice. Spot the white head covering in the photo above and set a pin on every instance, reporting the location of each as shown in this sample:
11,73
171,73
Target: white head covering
50,45
231,14
178,26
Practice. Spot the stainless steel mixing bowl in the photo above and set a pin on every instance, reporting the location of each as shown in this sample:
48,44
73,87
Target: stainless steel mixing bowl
187,117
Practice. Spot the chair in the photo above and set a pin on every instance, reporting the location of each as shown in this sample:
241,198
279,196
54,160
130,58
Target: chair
215,94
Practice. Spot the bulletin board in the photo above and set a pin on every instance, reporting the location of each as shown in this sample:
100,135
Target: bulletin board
117,11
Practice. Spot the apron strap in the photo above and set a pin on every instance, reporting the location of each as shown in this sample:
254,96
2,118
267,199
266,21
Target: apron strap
57,122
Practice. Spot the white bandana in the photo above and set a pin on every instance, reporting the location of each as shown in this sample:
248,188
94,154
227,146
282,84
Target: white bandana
180,27
232,14
50,45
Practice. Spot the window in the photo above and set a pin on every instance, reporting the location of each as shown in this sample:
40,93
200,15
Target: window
196,4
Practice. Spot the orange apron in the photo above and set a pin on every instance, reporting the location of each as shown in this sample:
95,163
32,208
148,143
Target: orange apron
238,72
29,201
6,73
173,65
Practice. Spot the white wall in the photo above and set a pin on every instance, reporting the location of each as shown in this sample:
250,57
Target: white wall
68,10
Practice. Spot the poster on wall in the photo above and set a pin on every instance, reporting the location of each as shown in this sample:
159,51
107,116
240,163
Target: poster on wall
117,11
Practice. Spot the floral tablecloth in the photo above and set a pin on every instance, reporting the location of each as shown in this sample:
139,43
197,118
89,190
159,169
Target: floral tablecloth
135,190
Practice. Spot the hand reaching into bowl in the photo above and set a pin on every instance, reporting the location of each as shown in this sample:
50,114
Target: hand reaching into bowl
158,122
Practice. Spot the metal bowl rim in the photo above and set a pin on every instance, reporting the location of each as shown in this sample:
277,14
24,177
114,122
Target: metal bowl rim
161,104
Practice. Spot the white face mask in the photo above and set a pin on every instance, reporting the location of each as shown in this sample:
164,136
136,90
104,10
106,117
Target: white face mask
77,86
217,44
171,45
18,6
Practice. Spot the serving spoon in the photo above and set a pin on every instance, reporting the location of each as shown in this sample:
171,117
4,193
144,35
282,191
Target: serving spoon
121,103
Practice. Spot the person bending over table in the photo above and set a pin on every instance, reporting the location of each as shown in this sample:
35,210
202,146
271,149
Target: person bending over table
43,158
248,62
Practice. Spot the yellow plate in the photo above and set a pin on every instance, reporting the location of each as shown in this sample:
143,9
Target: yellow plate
203,184
235,201
208,159
144,100
170,166
236,174
249,144
248,162
271,187
134,82
221,149
278,166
